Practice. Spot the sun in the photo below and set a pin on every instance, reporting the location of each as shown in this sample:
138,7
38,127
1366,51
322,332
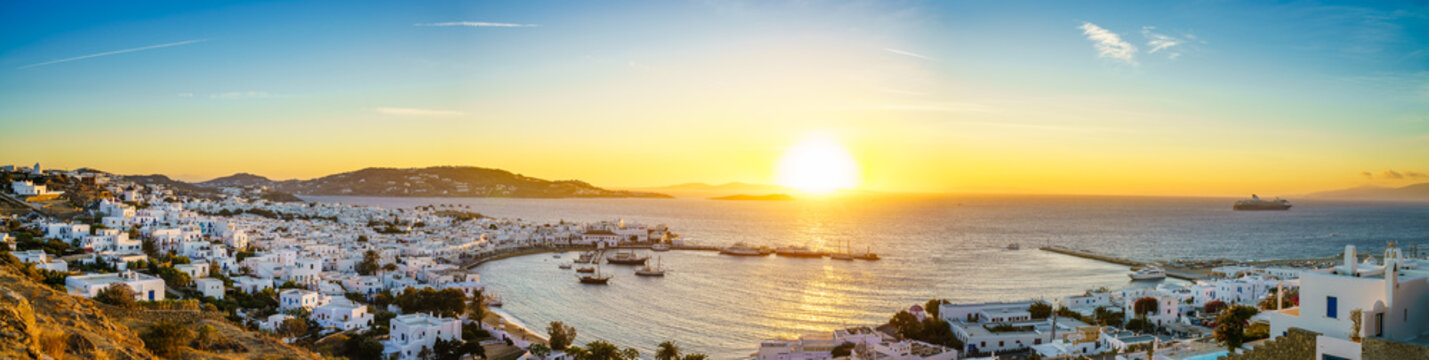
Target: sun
818,164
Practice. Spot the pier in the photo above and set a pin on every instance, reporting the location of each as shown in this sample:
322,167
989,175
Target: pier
1085,254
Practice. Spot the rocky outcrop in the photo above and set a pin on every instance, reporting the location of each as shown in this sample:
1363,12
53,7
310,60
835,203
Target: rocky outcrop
19,338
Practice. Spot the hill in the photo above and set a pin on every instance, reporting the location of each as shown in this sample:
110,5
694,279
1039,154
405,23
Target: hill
442,181
237,180
1416,192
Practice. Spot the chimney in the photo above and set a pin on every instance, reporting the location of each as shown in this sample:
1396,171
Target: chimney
1350,263
1391,275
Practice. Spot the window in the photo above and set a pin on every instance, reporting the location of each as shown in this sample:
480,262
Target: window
1332,307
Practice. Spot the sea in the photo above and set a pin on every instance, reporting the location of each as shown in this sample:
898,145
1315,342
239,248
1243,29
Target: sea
952,247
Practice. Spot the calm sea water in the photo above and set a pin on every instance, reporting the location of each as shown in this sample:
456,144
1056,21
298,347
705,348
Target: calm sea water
932,247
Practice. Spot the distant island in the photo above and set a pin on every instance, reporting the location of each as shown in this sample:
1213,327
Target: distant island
769,197
440,181
1415,192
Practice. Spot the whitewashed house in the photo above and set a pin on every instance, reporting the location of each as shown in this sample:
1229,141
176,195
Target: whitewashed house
146,287
410,333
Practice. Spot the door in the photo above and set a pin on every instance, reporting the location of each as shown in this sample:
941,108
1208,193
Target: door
1379,324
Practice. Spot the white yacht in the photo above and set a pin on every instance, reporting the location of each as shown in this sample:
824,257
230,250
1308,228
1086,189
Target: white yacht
1149,273
741,249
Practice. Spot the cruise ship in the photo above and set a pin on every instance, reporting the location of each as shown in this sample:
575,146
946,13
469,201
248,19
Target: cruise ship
1256,203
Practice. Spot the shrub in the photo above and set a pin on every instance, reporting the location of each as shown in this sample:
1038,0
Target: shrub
118,295
167,339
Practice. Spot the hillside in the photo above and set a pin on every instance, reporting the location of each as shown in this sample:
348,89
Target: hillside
1416,192
37,321
32,314
445,181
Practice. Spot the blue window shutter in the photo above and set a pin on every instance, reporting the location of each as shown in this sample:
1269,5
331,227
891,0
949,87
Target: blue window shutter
1332,307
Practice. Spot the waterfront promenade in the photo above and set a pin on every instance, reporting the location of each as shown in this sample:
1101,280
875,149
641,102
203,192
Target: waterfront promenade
1175,273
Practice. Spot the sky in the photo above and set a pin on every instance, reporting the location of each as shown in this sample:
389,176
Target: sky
1196,98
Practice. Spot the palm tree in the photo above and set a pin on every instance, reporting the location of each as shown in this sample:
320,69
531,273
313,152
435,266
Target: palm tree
477,306
667,351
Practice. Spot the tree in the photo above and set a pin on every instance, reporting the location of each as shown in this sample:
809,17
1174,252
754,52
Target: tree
932,306
476,307
1230,326
362,347
667,351
844,349
907,324
117,294
561,335
539,350
444,349
1105,316
696,357
601,350
370,263
167,339
1040,310
1140,324
1145,306
1213,307
1356,320
293,327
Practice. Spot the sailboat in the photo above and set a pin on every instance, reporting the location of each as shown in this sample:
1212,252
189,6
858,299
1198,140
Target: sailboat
658,270
596,279
842,254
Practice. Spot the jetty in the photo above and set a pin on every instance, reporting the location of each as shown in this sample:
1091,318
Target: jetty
1087,254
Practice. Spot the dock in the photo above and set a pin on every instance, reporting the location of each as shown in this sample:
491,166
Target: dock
1086,254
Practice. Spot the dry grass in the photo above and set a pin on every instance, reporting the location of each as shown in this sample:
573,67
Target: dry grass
54,343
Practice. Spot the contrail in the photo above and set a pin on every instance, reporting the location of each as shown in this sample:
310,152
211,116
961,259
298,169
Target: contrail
115,52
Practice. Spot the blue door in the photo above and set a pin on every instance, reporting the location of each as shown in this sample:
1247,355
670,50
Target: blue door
151,295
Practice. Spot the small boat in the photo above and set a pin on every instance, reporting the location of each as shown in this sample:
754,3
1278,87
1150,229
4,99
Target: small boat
1014,246
798,251
556,256
585,270
585,257
626,258
594,279
660,247
657,270
1149,273
566,266
741,249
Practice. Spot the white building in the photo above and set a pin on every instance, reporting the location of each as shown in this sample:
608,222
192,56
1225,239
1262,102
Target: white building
145,287
1393,301
210,287
996,327
343,315
41,260
300,298
251,285
410,333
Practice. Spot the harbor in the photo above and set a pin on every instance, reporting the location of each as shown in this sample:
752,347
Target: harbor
1182,274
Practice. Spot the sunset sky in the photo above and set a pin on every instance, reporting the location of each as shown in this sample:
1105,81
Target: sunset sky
1204,98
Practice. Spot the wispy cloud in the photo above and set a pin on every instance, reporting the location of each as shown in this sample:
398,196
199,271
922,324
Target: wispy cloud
115,52
1415,175
233,95
417,112
909,53
1367,175
1109,44
1391,174
477,24
1158,42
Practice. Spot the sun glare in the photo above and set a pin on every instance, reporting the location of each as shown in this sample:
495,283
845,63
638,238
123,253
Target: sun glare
818,164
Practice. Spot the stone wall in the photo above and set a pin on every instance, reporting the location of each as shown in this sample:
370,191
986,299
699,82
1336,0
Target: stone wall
1379,349
1297,344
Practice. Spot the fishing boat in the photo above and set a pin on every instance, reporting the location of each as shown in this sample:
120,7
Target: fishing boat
647,270
594,279
626,258
585,270
866,255
660,247
1149,273
799,251
566,266
741,249
555,256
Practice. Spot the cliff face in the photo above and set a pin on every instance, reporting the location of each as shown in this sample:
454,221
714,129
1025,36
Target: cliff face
38,322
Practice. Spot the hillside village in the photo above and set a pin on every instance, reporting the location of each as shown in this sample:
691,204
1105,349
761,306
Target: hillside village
369,283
